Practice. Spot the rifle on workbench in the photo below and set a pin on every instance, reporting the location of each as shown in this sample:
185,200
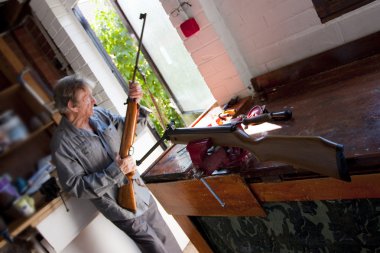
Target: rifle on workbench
310,153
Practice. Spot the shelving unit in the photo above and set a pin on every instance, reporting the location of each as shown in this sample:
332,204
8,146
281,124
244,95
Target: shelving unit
36,145
20,158
25,91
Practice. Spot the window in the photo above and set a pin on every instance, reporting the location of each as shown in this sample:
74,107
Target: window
176,92
330,9
119,49
169,54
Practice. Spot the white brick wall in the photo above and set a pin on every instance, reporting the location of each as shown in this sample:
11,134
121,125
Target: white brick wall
225,76
281,11
57,18
363,21
273,33
256,36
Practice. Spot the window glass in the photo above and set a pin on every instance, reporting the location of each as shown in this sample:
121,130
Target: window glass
169,54
119,49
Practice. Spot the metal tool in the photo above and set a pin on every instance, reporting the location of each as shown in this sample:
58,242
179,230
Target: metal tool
198,175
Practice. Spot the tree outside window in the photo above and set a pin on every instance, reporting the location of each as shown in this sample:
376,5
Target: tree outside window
121,48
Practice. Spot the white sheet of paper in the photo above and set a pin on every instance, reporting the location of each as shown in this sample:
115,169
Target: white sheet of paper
261,128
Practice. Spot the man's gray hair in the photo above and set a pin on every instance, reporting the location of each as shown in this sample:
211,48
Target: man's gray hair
66,88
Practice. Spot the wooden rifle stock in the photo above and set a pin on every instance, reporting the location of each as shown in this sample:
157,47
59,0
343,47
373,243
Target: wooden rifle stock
126,194
311,153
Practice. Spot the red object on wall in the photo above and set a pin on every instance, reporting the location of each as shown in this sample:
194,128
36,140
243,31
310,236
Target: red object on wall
189,27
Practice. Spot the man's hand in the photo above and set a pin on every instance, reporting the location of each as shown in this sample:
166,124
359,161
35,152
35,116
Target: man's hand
126,165
135,91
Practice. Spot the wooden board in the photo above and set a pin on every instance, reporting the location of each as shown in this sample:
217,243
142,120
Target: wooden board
191,197
362,186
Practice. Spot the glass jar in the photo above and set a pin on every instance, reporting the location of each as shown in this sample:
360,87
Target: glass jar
12,126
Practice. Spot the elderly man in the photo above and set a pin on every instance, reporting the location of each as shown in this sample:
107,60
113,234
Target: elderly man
85,150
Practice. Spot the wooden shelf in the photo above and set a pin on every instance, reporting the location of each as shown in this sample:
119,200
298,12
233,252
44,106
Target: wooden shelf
10,90
16,227
30,137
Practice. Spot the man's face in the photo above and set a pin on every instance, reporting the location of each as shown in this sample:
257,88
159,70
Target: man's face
85,102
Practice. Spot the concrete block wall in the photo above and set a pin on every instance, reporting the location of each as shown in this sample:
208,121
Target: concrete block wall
69,36
274,33
225,76
242,39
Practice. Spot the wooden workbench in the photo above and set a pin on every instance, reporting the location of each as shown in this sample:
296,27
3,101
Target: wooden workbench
341,104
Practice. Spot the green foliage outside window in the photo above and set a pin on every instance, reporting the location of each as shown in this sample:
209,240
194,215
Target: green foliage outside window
122,49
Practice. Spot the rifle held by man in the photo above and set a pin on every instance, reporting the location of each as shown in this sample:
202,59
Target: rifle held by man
126,195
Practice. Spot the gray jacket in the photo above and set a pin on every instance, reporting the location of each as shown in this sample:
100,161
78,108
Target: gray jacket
86,167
